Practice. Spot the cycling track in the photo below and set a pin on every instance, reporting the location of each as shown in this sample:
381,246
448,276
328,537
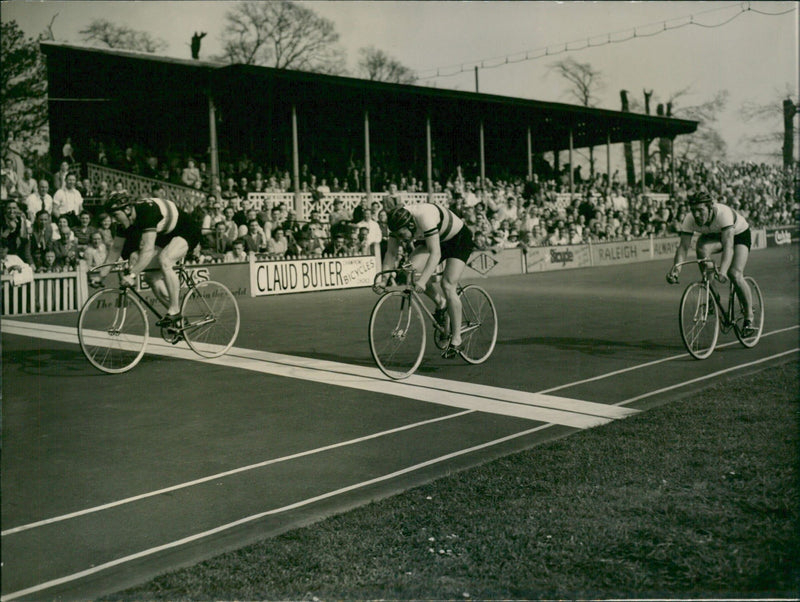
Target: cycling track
108,481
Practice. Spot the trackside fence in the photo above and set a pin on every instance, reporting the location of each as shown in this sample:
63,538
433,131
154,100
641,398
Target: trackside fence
46,293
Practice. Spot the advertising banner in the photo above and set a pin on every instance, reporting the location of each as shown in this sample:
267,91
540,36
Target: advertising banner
540,259
317,274
778,237
615,253
664,248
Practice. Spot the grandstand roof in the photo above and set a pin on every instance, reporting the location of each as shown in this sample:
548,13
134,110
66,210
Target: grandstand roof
90,75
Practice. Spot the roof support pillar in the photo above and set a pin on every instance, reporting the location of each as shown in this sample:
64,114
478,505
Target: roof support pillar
429,152
213,147
672,166
608,162
298,203
530,157
483,163
571,166
367,167
643,163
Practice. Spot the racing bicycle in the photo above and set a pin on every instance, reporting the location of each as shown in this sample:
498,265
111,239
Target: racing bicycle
703,313
397,333
113,327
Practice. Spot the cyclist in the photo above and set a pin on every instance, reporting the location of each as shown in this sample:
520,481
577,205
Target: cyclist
154,234
722,229
438,235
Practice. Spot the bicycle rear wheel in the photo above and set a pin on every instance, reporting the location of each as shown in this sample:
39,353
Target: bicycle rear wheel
478,324
210,319
112,330
758,315
699,321
397,334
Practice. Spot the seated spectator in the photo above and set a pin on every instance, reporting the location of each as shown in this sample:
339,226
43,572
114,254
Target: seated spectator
238,252
230,192
218,243
255,240
338,214
104,227
212,217
374,236
278,244
43,234
308,244
233,230
66,247
12,265
49,263
337,247
96,253
27,185
39,199
84,230
16,231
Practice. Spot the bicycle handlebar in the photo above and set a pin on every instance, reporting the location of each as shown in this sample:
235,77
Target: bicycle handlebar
378,287
710,269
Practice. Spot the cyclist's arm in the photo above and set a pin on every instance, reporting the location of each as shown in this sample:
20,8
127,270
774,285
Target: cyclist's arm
727,250
390,259
681,252
114,253
434,257
147,250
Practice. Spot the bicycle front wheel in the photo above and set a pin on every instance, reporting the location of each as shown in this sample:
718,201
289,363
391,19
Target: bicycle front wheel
478,324
397,334
758,315
210,319
699,321
112,330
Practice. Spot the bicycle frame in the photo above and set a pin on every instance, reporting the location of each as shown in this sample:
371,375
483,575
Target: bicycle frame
727,315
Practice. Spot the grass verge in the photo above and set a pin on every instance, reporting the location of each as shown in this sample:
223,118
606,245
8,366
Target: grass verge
697,498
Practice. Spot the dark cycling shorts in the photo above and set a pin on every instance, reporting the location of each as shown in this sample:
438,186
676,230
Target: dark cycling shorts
459,247
743,238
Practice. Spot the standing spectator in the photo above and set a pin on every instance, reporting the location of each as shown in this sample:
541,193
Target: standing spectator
230,192
338,214
39,199
232,228
68,152
68,201
190,176
27,185
96,253
60,177
150,168
212,217
374,234
130,162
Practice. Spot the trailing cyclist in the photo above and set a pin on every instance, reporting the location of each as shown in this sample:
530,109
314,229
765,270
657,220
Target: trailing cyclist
154,234
438,235
722,229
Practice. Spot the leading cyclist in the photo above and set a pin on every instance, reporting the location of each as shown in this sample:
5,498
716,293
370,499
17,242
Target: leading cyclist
722,229
438,235
154,234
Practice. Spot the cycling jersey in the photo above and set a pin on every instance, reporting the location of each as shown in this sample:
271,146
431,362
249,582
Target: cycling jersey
431,219
165,219
722,217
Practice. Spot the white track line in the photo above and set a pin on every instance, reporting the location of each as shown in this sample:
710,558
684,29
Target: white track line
520,404
248,519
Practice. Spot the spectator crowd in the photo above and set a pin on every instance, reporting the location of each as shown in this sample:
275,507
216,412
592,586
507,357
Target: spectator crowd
52,221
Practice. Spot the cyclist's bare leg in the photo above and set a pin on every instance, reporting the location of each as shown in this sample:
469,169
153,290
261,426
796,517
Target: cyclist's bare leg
418,259
736,274
171,254
706,249
453,268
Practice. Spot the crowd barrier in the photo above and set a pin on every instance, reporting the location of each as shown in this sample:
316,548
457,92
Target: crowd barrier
67,291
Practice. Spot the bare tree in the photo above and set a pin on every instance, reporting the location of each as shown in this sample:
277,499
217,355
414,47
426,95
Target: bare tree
585,81
106,33
706,143
283,35
773,142
376,65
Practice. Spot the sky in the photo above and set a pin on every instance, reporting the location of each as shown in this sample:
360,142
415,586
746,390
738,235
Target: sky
746,48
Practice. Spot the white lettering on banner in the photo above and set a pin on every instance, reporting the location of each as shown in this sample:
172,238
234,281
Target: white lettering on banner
278,277
782,237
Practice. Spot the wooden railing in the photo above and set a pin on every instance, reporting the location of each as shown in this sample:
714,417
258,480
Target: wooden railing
47,293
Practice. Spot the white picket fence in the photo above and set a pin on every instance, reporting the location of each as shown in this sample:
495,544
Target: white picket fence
47,293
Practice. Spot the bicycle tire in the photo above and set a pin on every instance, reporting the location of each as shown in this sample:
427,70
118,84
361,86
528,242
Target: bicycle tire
113,330
210,319
479,324
758,315
699,321
397,334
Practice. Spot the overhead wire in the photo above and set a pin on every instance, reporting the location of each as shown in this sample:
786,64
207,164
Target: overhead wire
557,49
